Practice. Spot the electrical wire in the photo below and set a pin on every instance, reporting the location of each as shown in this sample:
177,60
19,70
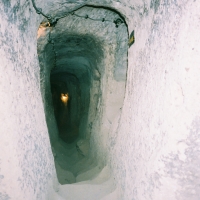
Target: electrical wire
53,20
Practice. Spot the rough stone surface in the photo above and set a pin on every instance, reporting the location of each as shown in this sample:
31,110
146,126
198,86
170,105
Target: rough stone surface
26,161
154,151
152,148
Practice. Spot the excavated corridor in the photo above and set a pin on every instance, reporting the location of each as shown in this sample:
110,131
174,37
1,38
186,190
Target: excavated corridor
74,126
83,61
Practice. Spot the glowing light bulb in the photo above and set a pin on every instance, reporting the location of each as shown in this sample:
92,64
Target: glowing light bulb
64,98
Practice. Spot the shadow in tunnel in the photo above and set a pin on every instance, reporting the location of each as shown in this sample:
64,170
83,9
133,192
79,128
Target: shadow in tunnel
66,103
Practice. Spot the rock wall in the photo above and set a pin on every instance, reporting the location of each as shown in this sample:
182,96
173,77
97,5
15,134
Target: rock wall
26,162
155,152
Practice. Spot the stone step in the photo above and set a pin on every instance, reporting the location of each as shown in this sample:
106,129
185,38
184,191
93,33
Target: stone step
86,191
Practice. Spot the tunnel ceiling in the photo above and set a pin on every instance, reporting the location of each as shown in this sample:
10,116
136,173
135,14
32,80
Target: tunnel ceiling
75,54
79,41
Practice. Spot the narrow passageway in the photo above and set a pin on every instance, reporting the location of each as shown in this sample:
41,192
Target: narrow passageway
74,126
83,64
70,101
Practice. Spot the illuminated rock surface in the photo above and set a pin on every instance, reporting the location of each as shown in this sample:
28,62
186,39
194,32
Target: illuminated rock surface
130,126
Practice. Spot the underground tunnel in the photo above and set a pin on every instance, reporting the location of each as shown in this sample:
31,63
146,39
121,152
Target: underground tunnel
83,65
146,144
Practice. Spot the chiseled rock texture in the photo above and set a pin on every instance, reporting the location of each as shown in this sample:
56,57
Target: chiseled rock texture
152,145
26,162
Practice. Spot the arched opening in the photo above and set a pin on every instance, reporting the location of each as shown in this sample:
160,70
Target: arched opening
83,62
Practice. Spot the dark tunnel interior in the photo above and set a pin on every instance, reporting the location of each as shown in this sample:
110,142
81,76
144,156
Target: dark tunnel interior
83,64
70,83
68,104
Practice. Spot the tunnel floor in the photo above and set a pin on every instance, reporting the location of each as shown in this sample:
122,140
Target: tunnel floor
69,162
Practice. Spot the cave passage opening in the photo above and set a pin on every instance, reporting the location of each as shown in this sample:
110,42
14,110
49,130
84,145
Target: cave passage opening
83,63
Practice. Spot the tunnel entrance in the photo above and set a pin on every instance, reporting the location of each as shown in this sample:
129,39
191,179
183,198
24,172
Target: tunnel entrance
83,63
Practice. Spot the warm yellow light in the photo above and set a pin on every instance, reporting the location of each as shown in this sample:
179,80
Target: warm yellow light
42,31
64,98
